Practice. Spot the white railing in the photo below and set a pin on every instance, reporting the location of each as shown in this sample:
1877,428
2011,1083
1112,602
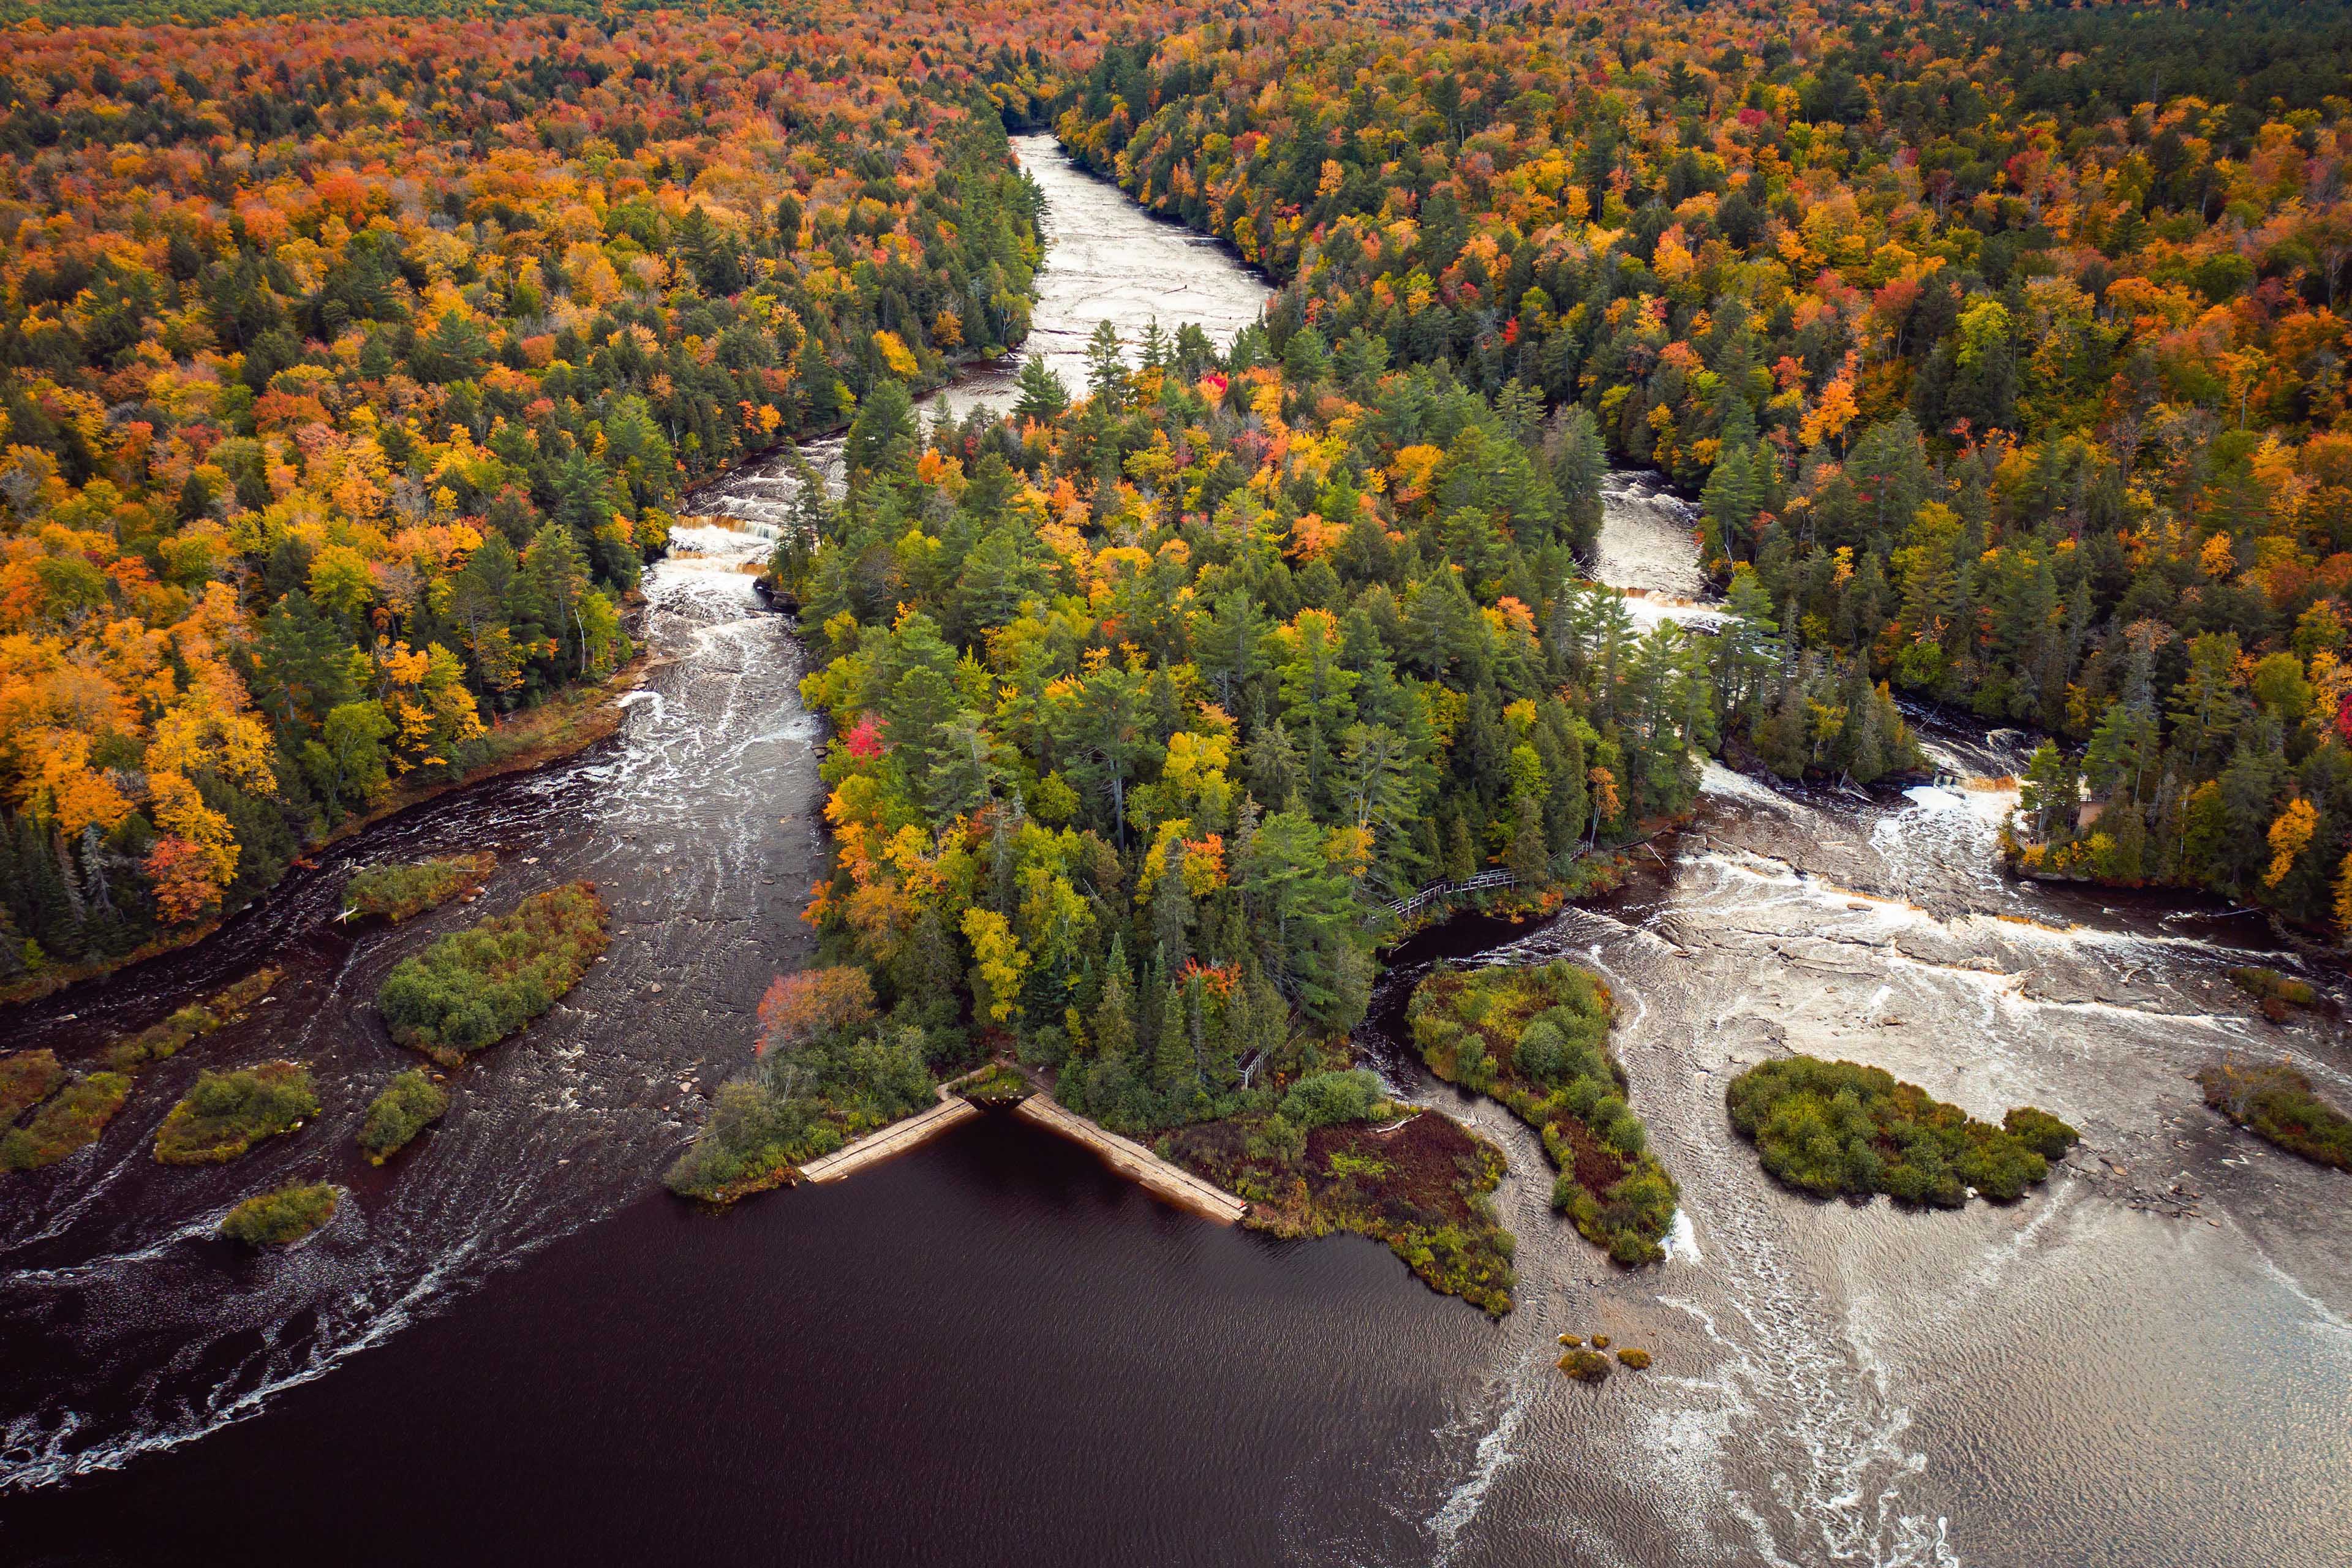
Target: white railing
1405,907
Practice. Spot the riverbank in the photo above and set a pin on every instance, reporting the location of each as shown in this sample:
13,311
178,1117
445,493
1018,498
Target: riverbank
564,725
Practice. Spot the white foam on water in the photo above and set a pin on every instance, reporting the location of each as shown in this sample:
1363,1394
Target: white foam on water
1682,1240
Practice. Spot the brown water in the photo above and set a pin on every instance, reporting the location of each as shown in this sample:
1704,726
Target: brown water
992,1351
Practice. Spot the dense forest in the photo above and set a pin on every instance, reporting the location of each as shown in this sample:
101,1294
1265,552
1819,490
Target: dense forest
1151,696
350,372
2001,345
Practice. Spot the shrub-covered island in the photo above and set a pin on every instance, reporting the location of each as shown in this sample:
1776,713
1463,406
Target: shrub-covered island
1827,1127
26,1078
160,1042
473,988
2276,1102
281,1217
71,1119
1335,1154
228,1113
75,1109
396,893
1537,1040
409,1103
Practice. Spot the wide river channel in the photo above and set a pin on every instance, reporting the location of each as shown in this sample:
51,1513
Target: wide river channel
512,1345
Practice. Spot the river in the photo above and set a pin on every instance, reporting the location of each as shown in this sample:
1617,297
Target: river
991,1350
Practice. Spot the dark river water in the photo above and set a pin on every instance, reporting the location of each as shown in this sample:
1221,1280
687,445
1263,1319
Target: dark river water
511,1345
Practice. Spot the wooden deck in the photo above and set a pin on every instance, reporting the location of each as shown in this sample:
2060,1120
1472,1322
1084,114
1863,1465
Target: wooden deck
1134,1161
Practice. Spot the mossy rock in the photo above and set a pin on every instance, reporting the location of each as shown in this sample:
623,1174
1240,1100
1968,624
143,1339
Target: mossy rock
1585,1367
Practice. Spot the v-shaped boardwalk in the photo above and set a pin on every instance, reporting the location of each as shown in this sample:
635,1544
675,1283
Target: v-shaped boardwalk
1170,1183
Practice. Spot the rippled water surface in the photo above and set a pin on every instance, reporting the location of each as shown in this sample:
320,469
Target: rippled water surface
992,1351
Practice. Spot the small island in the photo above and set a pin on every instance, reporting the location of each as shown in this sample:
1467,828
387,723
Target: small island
1831,1127
397,892
228,1113
26,1078
471,989
411,1102
2276,1103
281,1217
1535,1039
71,1118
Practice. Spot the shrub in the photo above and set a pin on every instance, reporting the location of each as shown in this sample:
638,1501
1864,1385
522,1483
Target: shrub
473,988
409,1103
999,1086
804,1007
26,1078
1585,1367
2277,1103
2270,985
1328,1099
228,1113
1827,1128
280,1218
2040,1131
71,1119
396,893
1638,1360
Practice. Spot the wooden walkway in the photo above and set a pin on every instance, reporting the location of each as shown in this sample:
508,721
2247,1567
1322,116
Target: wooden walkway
895,1139
1405,907
1133,1161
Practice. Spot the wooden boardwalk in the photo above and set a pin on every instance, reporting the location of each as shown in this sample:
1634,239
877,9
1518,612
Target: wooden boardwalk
1133,1161
895,1139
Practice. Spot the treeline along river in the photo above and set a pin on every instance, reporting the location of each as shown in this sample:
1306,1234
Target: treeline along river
511,1345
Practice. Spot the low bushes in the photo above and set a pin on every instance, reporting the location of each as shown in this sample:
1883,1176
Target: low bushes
2277,1103
78,1109
409,1103
2276,994
160,1042
1827,1128
71,1119
1537,1040
1328,1099
26,1078
281,1217
1423,1187
997,1088
228,1113
473,988
396,893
